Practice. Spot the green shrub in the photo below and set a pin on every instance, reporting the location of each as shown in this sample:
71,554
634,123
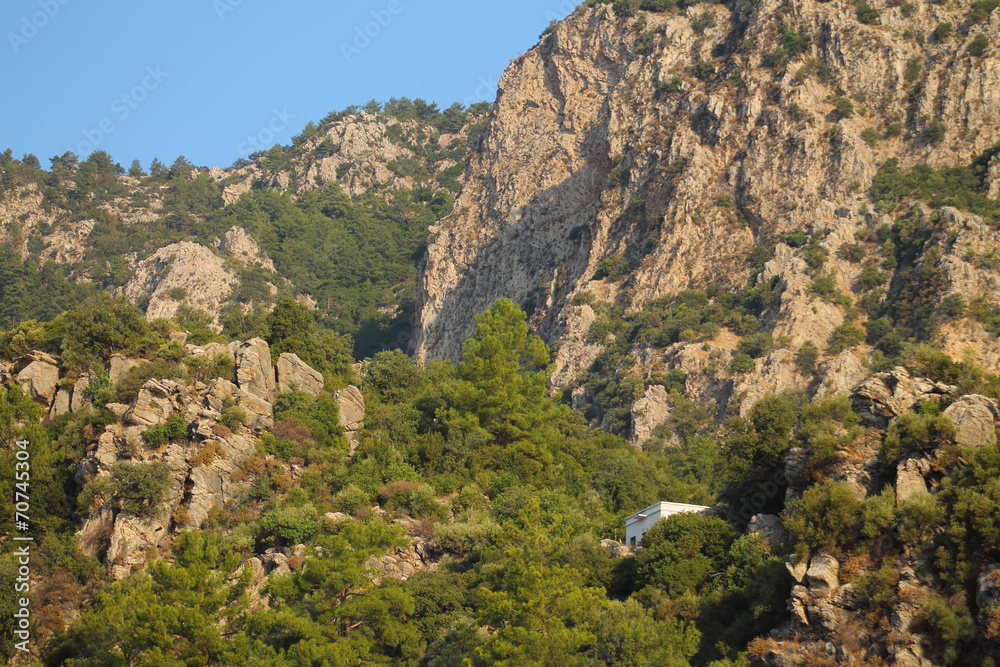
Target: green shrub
942,31
879,512
100,391
806,357
288,525
979,45
912,70
679,553
703,69
954,306
423,503
350,499
755,345
671,85
981,10
742,363
658,5
918,518
233,417
829,425
851,252
846,336
173,429
893,130
827,516
933,131
870,136
844,107
867,14
949,625
796,239
135,488
870,278
915,433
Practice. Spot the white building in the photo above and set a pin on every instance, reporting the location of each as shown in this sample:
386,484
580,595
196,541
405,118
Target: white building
637,524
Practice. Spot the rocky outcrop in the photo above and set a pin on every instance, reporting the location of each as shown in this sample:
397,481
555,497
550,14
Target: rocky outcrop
602,144
352,412
238,243
181,273
38,375
295,374
769,526
649,412
975,419
888,395
254,371
121,365
842,374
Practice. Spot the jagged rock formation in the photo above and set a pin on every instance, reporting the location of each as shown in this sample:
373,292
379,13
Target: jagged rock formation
605,143
192,275
206,467
182,273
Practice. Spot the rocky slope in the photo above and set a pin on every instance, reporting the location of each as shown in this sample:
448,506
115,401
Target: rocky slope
208,467
123,232
674,144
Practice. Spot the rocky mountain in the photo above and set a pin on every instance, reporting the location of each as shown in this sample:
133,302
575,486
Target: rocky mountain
214,238
632,157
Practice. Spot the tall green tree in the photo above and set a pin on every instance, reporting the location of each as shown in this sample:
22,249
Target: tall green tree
504,375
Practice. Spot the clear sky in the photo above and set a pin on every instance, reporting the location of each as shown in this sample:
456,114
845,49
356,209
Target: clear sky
200,78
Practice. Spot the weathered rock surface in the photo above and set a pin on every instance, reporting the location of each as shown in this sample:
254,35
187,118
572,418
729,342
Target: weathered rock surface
842,374
909,479
649,412
974,417
823,573
38,375
243,247
584,155
769,526
888,395
352,412
121,365
203,467
181,273
254,371
293,373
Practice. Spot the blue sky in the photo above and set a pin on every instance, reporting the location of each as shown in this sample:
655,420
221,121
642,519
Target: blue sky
200,78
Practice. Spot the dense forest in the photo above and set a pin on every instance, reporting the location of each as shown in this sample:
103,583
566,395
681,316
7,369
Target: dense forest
511,484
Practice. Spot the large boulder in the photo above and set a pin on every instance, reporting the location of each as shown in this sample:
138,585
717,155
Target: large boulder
910,479
974,417
131,538
841,374
153,405
352,412
295,374
823,573
886,396
39,377
254,370
79,396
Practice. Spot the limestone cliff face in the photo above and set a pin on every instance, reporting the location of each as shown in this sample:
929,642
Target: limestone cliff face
603,143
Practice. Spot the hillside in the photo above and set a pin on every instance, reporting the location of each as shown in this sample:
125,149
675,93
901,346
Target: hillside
742,256
336,220
630,159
